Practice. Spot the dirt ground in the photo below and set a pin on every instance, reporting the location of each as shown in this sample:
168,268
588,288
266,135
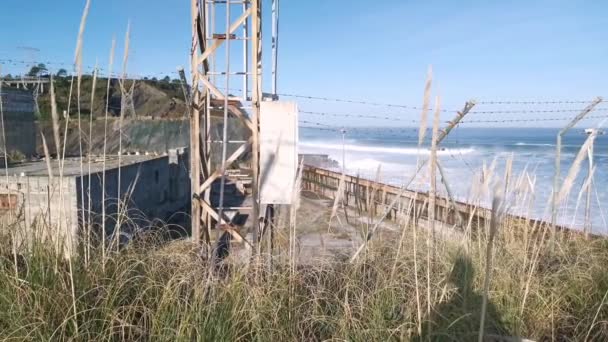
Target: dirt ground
320,239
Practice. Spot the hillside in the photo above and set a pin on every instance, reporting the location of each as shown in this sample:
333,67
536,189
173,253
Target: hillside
139,135
152,98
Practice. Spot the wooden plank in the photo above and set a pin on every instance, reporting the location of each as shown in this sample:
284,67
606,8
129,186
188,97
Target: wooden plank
207,207
218,173
219,95
195,128
224,226
218,42
236,111
256,35
214,90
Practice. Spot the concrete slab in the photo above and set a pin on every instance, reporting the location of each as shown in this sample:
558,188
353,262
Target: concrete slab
71,166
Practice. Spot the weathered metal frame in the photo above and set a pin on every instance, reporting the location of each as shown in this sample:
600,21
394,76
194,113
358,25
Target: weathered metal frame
204,54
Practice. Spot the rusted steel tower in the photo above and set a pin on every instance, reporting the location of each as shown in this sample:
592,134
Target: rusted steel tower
226,69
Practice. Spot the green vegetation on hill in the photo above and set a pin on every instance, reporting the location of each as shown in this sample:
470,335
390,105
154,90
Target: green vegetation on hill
151,98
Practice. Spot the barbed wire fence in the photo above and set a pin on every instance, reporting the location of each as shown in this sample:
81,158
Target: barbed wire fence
388,115
398,121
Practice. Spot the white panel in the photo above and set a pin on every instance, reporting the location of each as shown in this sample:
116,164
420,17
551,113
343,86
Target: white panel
278,151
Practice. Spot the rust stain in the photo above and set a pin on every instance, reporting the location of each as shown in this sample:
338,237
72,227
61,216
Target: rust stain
8,201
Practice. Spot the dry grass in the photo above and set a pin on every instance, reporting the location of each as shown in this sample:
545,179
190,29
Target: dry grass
105,145
155,291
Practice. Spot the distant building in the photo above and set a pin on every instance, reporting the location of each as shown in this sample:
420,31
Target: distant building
18,108
58,210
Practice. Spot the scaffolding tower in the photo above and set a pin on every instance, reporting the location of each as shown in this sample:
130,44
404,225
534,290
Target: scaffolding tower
226,70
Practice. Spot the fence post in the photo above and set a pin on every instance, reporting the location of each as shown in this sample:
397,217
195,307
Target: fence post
558,153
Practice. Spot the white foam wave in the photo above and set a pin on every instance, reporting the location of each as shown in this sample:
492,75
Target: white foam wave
372,164
531,144
379,149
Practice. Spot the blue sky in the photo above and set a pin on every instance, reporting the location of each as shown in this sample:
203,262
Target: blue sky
372,50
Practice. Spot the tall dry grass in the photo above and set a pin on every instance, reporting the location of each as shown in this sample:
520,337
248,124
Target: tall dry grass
124,92
105,145
154,290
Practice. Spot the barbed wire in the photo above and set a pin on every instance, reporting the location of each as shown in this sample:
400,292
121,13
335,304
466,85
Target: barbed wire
360,102
416,122
406,132
541,102
531,119
370,103
389,117
362,116
319,128
534,111
386,133
391,131
325,98
534,102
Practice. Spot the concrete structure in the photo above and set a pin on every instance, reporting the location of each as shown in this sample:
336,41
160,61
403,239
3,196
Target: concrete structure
58,209
27,82
18,108
378,198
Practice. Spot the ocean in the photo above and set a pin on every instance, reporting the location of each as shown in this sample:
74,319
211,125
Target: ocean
463,156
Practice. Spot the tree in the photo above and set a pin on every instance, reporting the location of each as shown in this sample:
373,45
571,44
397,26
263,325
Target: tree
37,70
154,79
167,79
62,73
176,81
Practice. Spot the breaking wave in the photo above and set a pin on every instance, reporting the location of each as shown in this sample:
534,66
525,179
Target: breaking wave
530,144
388,150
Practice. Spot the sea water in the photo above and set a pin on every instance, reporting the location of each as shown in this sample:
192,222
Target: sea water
463,156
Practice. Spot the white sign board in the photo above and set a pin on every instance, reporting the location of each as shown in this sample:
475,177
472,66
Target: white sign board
278,151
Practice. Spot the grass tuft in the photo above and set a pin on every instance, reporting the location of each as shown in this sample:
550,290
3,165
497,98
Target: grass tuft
154,290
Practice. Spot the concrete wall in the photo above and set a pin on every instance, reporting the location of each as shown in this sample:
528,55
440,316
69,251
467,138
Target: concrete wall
18,108
42,211
154,189
33,206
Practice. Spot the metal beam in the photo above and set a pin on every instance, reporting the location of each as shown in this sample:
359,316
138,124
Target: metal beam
206,92
217,173
558,155
459,115
218,42
195,112
256,98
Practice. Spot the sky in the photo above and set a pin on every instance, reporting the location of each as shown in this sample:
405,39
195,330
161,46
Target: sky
364,50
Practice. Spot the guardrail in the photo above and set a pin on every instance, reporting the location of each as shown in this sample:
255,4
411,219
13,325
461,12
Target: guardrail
375,198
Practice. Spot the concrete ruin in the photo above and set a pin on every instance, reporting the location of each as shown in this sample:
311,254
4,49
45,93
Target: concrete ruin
18,108
54,208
